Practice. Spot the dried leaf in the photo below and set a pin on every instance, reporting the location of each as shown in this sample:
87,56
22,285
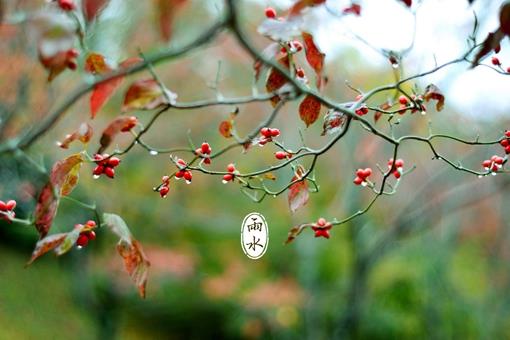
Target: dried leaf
314,56
135,261
270,176
167,10
276,80
83,134
334,121
433,92
225,128
295,231
95,63
298,192
120,124
309,110
61,183
147,94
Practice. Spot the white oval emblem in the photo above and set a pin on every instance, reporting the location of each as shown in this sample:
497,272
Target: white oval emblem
254,235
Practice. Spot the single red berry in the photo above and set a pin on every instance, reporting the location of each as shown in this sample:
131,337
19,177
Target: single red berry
181,162
300,72
494,168
91,223
358,180
179,174
163,191
507,150
274,132
270,12
321,222
206,148
507,133
113,162
499,160
110,172
82,240
266,132
504,143
188,176
227,178
10,205
495,61
98,170
399,163
66,5
403,100
3,206
397,174
321,231
91,235
280,155
487,163
231,167
365,173
207,160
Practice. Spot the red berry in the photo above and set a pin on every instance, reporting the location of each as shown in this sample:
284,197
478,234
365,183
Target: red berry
274,132
179,174
91,223
3,206
66,5
399,163
499,160
227,178
486,164
98,170
207,160
397,174
507,133
495,61
113,162
72,65
358,180
507,150
403,100
363,110
270,12
91,235
165,179
98,157
188,176
366,172
300,72
504,143
206,148
266,132
321,222
280,155
82,240
110,172
10,205
181,162
231,167
163,191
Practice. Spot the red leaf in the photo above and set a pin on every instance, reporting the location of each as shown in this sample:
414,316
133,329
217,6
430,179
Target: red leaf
302,4
58,62
276,79
314,56
489,44
96,64
135,261
354,9
60,183
298,192
146,94
120,124
309,110
333,122
83,134
91,8
167,10
433,92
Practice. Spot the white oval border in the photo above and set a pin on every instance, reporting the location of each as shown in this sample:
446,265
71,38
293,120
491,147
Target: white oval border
242,233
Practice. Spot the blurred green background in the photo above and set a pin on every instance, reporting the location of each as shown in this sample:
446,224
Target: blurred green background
428,262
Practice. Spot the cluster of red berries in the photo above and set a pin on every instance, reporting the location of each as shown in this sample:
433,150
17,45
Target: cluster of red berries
267,135
231,175
404,102
7,210
361,176
322,227
397,167
494,164
105,165
86,235
66,5
506,142
204,152
362,110
183,173
164,188
282,155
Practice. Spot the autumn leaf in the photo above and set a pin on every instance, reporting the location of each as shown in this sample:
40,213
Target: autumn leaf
269,52
334,121
118,125
167,10
298,192
494,39
309,110
314,56
302,4
147,94
225,128
60,243
295,231
135,261
83,134
433,92
91,8
276,80
97,64
63,179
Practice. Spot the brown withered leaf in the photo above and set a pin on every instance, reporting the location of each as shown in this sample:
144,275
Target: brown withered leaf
119,124
83,134
276,80
167,9
295,231
432,92
225,128
309,110
298,192
147,94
